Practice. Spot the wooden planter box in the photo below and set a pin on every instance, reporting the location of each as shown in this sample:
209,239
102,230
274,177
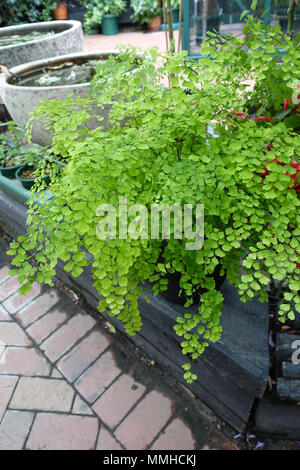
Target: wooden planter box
232,373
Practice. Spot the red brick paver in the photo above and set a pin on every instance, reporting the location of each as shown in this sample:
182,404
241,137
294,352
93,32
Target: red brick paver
106,441
115,403
46,325
37,308
41,393
8,287
24,361
14,429
7,385
17,301
177,436
82,355
66,336
13,335
98,377
63,432
4,316
145,421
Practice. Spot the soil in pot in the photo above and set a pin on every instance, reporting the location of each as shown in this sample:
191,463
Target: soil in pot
25,174
67,73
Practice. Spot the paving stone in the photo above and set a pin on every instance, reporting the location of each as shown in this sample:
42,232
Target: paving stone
63,432
14,429
82,355
24,361
7,385
17,301
8,287
56,374
97,377
146,420
46,394
37,308
81,408
12,335
64,338
2,352
46,325
4,316
106,441
118,399
176,436
4,274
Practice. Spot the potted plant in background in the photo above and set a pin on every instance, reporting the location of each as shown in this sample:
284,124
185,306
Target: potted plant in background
244,175
146,12
20,160
102,13
34,160
175,15
11,149
60,12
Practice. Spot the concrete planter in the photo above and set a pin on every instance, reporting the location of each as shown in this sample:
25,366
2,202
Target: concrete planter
67,39
21,100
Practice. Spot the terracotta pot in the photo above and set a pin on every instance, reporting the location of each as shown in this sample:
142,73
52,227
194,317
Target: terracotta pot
61,11
155,24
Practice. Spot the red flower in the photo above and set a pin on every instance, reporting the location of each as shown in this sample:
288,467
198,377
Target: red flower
263,118
286,104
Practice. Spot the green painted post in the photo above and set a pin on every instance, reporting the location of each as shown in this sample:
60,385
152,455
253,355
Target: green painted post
267,14
186,26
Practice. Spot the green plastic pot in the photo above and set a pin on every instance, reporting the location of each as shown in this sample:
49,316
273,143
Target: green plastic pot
110,25
9,171
28,183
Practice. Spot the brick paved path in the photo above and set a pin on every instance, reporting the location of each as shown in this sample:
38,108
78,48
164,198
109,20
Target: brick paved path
67,383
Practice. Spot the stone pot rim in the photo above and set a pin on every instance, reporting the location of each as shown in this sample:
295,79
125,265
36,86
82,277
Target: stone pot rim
44,25
19,69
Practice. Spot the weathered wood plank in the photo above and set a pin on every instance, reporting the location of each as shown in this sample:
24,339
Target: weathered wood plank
273,418
290,370
284,346
288,388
